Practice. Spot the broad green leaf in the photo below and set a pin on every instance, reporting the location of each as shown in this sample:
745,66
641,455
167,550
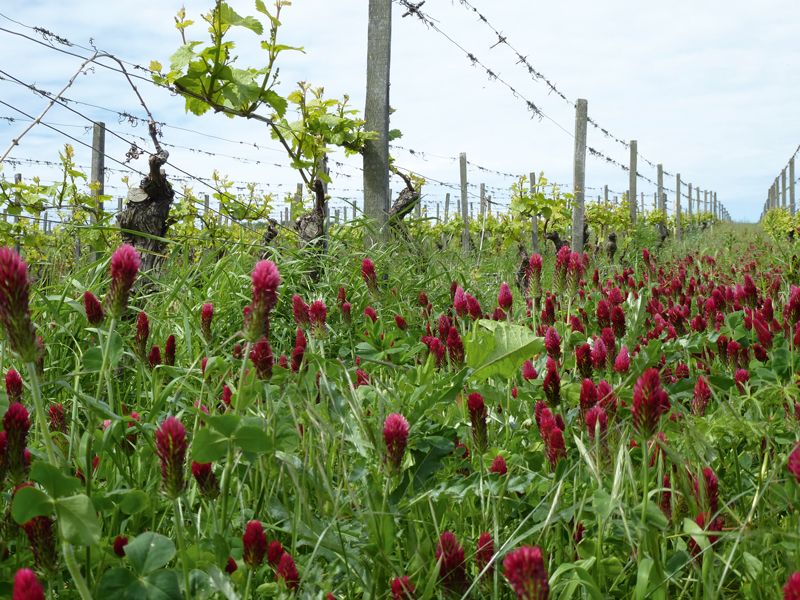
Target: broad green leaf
53,480
199,585
134,502
149,551
120,584
225,424
209,445
222,584
228,16
697,533
499,349
79,523
276,101
162,585
252,439
30,502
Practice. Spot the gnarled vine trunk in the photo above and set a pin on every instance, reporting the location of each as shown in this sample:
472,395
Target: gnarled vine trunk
147,210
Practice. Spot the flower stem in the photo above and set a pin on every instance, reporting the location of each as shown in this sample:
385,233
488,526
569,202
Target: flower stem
40,416
106,352
176,507
249,581
74,570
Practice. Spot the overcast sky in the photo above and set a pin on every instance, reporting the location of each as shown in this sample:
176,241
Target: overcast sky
708,89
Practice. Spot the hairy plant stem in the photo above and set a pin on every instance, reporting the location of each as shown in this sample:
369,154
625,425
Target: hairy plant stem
40,416
104,364
249,583
226,476
176,508
69,554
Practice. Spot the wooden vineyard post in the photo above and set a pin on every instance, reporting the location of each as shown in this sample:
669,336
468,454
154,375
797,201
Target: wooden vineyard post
697,191
783,186
205,208
464,208
534,219
376,115
483,200
632,181
678,216
791,186
446,206
98,172
579,175
437,213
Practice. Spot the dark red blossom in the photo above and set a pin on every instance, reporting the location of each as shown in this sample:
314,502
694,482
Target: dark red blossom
13,386
154,358
169,351
171,445
206,316
369,313
504,299
791,591
583,360
401,323
526,573
484,553
649,402
452,572
402,588
231,567
552,343
14,306
623,361
119,545
254,541
499,465
395,436
41,537
477,415
552,384
535,279
528,372
702,394
262,359
287,571
203,474
317,313
741,377
16,425
27,587
141,337
455,348
266,280
124,268
300,312
93,308
274,553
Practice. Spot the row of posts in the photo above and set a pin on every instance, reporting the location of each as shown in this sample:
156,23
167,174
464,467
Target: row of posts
780,189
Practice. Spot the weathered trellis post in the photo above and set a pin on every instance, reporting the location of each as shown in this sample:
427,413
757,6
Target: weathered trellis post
783,186
446,206
632,181
483,199
376,114
464,207
579,174
791,185
678,217
437,213
534,219
98,172
206,207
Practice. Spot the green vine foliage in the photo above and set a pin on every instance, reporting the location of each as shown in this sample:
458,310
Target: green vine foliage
205,74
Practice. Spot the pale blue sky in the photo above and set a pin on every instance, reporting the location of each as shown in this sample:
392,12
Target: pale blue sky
706,88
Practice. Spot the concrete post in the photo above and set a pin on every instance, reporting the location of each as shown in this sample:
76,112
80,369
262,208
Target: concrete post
579,175
632,181
534,218
791,186
464,207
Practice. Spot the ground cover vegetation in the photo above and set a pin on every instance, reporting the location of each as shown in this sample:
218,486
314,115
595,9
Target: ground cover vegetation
307,415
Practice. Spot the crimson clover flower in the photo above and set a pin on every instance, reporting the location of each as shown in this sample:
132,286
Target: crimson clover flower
26,586
287,571
526,573
171,448
254,541
203,474
266,280
14,306
124,268
206,316
452,572
395,436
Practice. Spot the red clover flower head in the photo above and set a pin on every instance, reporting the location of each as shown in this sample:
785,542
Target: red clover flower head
300,312
369,313
453,571
274,553
474,308
27,587
594,417
348,319
528,372
93,308
14,306
455,348
368,273
124,268
41,537
317,314
13,386
169,351
504,299
58,418
552,343
588,398
206,316
266,280
618,322
254,541
552,384
171,448
583,360
340,298
603,314
401,323
575,271
557,449
395,436
477,415
119,545
16,426
499,465
460,302
702,394
402,588
599,355
791,591
203,474
525,572
154,358
741,378
484,553
649,402
560,274
287,571
623,361
142,334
